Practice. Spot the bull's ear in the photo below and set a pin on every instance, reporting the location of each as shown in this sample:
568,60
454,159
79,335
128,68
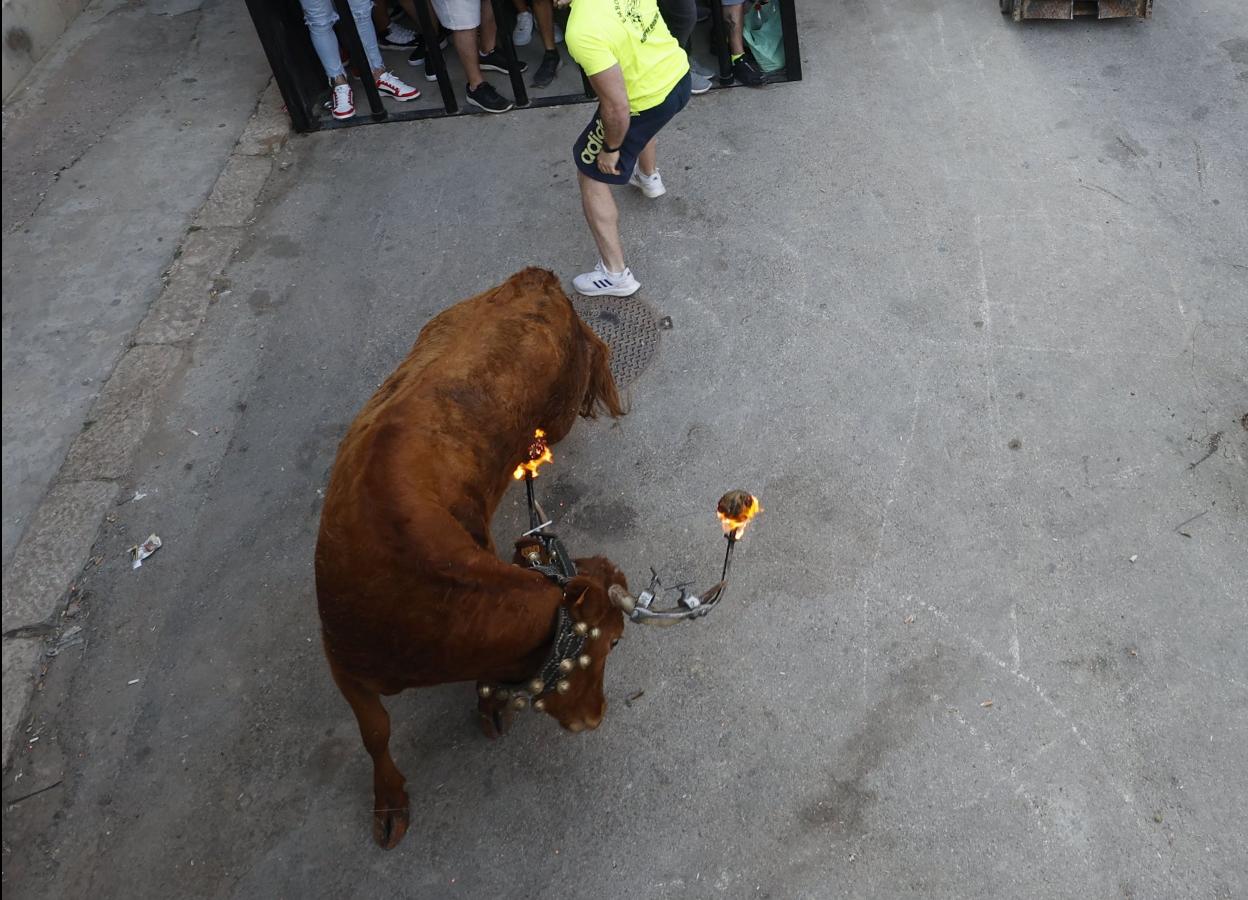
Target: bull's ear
585,598
575,592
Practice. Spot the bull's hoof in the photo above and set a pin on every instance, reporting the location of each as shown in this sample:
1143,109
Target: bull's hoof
495,719
389,825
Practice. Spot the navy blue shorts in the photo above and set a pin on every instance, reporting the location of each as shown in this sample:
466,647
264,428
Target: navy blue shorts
641,128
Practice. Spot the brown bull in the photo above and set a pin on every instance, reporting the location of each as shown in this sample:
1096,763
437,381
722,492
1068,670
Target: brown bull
410,589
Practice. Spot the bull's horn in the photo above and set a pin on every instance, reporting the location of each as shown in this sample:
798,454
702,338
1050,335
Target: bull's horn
622,599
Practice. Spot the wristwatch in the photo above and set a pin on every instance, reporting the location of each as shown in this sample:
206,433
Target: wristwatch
606,149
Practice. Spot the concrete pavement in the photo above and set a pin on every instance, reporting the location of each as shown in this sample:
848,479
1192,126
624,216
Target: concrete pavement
992,281
110,148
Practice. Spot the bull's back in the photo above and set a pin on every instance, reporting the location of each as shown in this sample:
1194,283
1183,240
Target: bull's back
424,464
507,338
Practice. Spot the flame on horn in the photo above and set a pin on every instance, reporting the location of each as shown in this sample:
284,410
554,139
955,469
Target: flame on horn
735,510
539,455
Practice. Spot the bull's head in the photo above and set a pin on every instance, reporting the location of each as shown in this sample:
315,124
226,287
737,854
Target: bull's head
578,701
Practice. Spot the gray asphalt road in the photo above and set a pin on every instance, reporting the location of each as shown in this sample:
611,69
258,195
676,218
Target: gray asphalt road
966,308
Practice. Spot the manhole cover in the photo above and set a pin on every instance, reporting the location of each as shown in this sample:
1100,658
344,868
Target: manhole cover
628,327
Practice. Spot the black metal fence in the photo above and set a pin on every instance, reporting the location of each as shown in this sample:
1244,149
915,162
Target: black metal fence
304,89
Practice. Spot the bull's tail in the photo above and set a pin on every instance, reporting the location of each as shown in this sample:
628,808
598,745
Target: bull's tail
601,392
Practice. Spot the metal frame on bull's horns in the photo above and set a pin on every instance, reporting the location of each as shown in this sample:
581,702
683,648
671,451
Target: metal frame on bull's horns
688,606
736,509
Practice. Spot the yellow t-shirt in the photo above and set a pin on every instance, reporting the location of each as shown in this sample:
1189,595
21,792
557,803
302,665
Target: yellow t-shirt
602,33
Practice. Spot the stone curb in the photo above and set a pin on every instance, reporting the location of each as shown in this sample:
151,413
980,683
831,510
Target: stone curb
21,658
58,541
176,316
121,415
233,197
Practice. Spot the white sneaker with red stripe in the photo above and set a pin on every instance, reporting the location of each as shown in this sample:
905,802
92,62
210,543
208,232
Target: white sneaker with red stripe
388,83
600,282
343,104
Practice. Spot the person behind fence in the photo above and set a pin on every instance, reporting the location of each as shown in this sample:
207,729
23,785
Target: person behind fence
464,18
320,18
543,13
681,16
743,66
641,77
393,35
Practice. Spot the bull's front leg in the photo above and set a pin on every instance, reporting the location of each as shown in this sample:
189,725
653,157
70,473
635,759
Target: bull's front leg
494,714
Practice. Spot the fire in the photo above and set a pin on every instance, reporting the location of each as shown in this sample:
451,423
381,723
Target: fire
539,455
736,509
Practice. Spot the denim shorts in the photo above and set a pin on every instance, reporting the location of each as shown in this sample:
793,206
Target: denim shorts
641,128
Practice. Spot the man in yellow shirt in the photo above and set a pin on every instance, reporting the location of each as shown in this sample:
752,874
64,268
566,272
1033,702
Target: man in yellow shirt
641,77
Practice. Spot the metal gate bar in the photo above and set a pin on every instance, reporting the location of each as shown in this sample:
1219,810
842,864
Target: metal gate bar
503,40
433,53
719,42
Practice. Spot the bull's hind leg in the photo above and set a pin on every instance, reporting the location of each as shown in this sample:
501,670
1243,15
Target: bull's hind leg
390,806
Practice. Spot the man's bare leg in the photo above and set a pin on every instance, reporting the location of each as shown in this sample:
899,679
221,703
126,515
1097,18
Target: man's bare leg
734,22
604,221
466,49
544,14
489,27
648,158
381,18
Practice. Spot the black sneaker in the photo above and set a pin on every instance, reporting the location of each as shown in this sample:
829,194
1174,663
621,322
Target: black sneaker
488,99
551,61
417,57
748,72
496,62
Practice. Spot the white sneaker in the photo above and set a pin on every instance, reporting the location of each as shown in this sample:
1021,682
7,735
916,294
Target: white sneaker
523,33
600,282
698,83
388,83
343,104
650,185
397,37
696,67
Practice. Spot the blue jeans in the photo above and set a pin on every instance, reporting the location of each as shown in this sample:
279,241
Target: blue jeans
320,16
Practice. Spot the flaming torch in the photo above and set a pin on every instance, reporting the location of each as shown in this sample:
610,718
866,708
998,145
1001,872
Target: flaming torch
556,564
539,454
735,509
